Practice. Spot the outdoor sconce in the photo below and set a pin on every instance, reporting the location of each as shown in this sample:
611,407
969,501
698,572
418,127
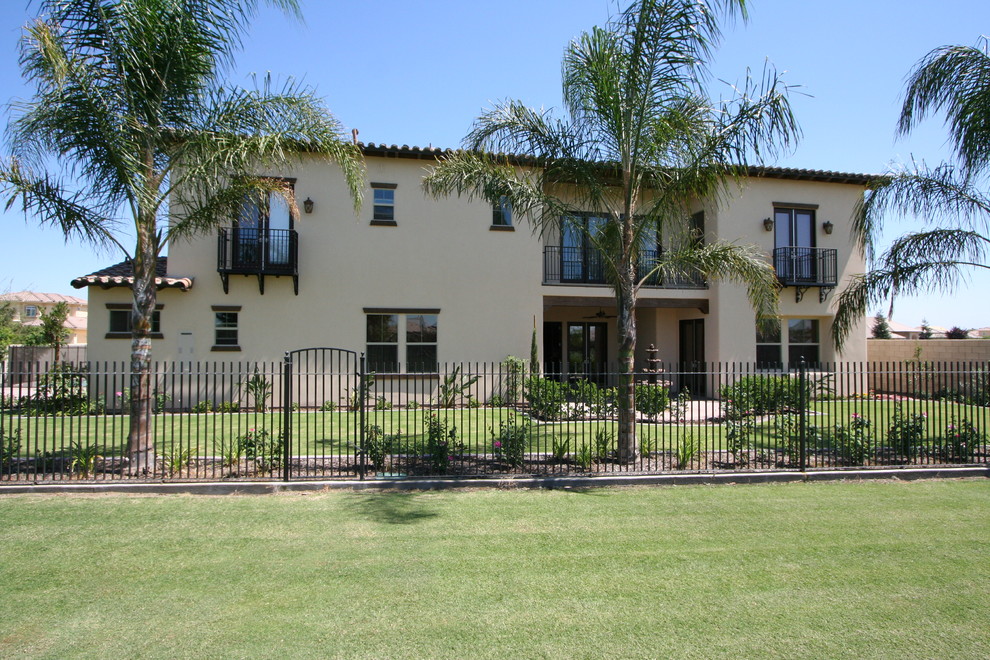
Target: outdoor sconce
308,206
768,224
828,227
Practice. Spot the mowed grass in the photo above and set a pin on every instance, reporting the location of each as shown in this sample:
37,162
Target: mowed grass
318,433
827,570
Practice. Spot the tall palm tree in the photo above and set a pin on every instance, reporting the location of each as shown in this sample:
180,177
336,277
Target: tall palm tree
131,109
952,199
642,145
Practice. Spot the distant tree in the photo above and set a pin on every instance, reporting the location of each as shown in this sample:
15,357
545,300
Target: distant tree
926,330
53,330
14,332
881,329
957,333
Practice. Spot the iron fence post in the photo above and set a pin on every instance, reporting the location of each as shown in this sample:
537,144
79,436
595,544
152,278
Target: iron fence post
803,413
286,414
361,422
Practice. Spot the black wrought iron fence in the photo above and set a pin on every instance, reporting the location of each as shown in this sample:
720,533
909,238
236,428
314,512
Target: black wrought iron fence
321,415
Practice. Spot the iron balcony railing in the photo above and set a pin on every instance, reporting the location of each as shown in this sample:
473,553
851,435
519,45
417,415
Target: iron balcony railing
251,251
574,265
806,266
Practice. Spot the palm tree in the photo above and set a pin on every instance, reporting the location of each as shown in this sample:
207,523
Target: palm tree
641,148
130,106
952,198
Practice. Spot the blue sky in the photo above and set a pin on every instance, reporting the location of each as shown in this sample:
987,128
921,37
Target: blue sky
417,73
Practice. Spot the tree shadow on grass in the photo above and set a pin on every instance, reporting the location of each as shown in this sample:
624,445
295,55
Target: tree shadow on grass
393,508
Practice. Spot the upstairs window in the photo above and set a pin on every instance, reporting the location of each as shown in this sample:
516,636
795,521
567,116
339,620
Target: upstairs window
30,311
384,204
502,213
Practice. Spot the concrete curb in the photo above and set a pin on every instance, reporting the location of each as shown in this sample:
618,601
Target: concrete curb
267,487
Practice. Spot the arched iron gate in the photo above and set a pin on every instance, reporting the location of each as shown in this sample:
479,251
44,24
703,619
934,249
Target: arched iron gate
322,437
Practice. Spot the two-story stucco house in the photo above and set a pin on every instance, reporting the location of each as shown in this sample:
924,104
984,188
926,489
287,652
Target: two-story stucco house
28,307
413,281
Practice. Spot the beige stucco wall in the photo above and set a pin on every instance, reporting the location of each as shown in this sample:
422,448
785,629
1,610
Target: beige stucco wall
443,255
740,219
931,350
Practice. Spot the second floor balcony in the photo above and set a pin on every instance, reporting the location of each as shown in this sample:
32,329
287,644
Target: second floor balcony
576,265
804,267
261,252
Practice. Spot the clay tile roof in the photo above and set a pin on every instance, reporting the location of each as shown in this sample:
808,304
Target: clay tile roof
122,274
38,297
433,153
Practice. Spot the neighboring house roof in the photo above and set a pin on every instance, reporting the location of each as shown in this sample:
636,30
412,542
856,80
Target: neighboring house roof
42,298
122,275
433,153
72,322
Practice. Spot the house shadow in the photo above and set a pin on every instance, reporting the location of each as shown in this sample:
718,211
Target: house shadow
393,508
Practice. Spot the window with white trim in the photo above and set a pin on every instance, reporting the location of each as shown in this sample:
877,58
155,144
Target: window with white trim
119,325
30,311
226,328
383,209
797,338
401,339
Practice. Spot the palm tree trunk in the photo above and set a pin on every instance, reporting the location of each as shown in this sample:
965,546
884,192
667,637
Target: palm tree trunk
140,442
626,323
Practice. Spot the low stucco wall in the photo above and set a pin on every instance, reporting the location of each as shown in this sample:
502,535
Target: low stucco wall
897,366
932,350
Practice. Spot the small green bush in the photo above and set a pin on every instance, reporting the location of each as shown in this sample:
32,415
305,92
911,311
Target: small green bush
560,447
652,400
761,395
853,442
442,445
687,449
509,443
906,432
960,441
379,446
262,447
10,447
547,398
203,406
328,406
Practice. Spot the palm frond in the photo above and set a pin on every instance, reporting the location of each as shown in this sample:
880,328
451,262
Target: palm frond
954,80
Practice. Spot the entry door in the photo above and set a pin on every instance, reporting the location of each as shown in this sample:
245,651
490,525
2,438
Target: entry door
795,231
692,357
279,222
587,349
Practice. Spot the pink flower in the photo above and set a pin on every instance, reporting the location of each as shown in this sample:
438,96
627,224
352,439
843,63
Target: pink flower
498,445
120,394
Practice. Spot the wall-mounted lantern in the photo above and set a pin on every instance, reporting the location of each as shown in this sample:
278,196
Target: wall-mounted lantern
308,206
828,227
768,224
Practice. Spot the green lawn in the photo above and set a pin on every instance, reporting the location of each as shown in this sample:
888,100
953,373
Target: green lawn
317,433
823,570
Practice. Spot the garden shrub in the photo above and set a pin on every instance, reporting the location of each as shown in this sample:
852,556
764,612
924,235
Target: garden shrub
441,444
960,441
598,401
262,447
853,442
10,447
906,432
687,449
547,398
560,448
509,443
761,395
652,400
61,391
739,438
514,370
379,445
